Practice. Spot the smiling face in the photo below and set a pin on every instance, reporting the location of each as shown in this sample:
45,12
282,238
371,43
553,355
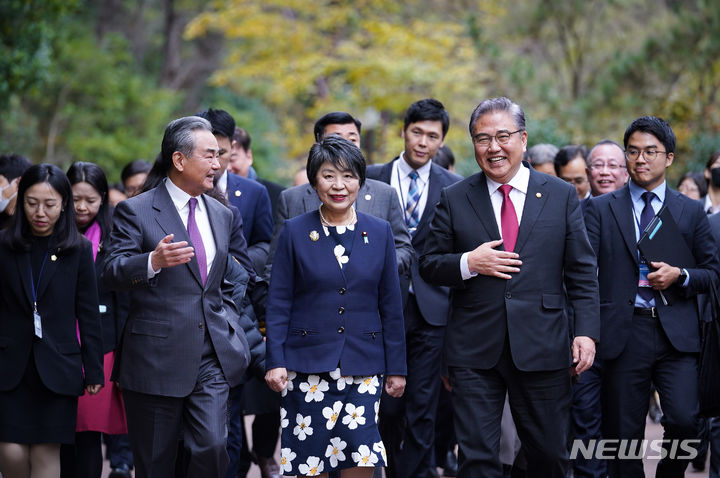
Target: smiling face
422,140
647,174
87,202
575,173
606,169
500,162
195,174
43,206
336,189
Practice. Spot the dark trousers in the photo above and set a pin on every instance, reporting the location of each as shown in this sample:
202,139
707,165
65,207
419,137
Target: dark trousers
586,419
236,431
83,459
649,357
407,425
156,423
540,405
118,450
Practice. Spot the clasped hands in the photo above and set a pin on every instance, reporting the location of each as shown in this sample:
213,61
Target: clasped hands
276,379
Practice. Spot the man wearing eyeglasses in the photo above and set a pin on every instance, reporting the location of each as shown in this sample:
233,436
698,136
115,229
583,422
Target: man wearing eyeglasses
511,244
606,167
649,314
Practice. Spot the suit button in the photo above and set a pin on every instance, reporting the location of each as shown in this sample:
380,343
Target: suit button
342,291
341,310
303,333
630,302
508,295
341,329
201,325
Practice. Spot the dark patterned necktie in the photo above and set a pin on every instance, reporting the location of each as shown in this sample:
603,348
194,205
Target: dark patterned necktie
196,240
645,217
412,214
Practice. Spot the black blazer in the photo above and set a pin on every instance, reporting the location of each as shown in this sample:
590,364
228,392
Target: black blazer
67,300
433,300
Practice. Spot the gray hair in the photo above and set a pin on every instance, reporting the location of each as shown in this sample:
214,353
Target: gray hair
179,137
541,154
498,104
602,143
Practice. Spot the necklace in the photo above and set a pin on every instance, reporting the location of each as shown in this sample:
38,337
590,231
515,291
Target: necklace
327,223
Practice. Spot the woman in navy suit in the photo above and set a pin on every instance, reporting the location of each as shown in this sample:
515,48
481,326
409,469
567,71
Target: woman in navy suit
47,296
334,323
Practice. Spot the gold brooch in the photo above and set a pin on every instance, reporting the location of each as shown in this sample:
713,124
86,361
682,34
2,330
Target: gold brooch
53,258
314,236
538,195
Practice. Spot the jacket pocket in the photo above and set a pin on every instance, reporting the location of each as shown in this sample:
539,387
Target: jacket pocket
552,301
151,328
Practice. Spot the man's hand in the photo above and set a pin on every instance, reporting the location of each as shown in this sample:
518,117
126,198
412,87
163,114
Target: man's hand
170,254
487,261
395,385
276,379
664,275
583,352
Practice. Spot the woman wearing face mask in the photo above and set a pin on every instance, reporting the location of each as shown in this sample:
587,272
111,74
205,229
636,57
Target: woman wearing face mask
48,296
712,174
104,412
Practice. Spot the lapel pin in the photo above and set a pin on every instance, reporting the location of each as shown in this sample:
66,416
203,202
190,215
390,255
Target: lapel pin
538,195
238,193
314,236
368,197
365,238
53,258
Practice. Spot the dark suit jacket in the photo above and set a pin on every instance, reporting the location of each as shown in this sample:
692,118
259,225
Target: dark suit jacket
610,225
374,197
171,314
530,307
113,306
274,190
253,201
319,316
433,300
67,295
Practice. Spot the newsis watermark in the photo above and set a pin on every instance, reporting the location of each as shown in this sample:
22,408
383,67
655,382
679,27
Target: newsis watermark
611,449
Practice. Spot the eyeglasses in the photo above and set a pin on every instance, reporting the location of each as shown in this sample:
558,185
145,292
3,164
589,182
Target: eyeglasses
633,154
502,137
599,166
578,181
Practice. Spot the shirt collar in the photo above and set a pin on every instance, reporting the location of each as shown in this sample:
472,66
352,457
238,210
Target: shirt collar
636,192
222,182
405,168
519,181
179,197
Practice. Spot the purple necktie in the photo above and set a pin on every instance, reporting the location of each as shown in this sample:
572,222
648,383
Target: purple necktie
196,240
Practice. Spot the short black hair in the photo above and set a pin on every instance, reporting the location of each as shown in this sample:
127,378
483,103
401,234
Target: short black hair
567,154
428,109
698,179
13,165
713,157
138,166
336,117
242,137
65,235
94,175
339,152
655,126
223,124
444,157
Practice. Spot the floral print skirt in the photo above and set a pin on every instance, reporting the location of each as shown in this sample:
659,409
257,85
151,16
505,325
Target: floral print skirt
329,422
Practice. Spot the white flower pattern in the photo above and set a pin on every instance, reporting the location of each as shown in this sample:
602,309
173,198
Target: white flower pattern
332,414
313,467
290,386
368,384
340,380
335,451
364,457
379,447
303,429
284,422
354,416
314,388
286,458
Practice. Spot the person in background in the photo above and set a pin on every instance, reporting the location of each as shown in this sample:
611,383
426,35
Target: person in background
12,167
570,166
693,185
116,193
103,412
542,158
133,176
334,323
445,158
606,167
712,175
300,177
48,298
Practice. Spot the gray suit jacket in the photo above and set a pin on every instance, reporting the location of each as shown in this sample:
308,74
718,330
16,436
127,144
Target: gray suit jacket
171,314
374,197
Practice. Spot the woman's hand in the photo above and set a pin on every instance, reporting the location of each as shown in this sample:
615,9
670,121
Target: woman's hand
276,379
93,389
395,385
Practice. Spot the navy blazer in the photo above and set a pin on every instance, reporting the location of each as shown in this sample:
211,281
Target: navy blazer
67,302
320,316
611,229
253,201
531,307
433,300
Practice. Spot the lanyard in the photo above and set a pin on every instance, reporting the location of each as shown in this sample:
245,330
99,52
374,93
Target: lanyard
36,285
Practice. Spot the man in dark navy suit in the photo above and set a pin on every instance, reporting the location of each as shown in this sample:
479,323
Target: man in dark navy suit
649,312
418,183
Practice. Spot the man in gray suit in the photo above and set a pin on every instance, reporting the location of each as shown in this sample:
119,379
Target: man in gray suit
374,197
182,347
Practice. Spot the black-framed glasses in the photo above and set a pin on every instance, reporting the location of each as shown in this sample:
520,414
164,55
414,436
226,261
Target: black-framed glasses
502,137
632,154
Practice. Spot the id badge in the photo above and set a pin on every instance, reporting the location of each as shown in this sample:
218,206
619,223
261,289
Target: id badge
644,271
37,321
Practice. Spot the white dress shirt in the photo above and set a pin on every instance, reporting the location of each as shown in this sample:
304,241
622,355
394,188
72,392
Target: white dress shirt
519,184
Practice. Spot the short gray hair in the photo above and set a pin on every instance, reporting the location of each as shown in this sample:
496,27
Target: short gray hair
498,104
541,154
179,137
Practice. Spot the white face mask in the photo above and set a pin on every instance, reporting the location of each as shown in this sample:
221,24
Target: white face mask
5,201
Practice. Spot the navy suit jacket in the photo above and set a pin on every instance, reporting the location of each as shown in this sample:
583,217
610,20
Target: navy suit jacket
253,201
531,307
611,229
433,300
320,316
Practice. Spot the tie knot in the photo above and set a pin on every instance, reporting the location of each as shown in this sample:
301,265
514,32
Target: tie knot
192,203
506,188
648,197
413,175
